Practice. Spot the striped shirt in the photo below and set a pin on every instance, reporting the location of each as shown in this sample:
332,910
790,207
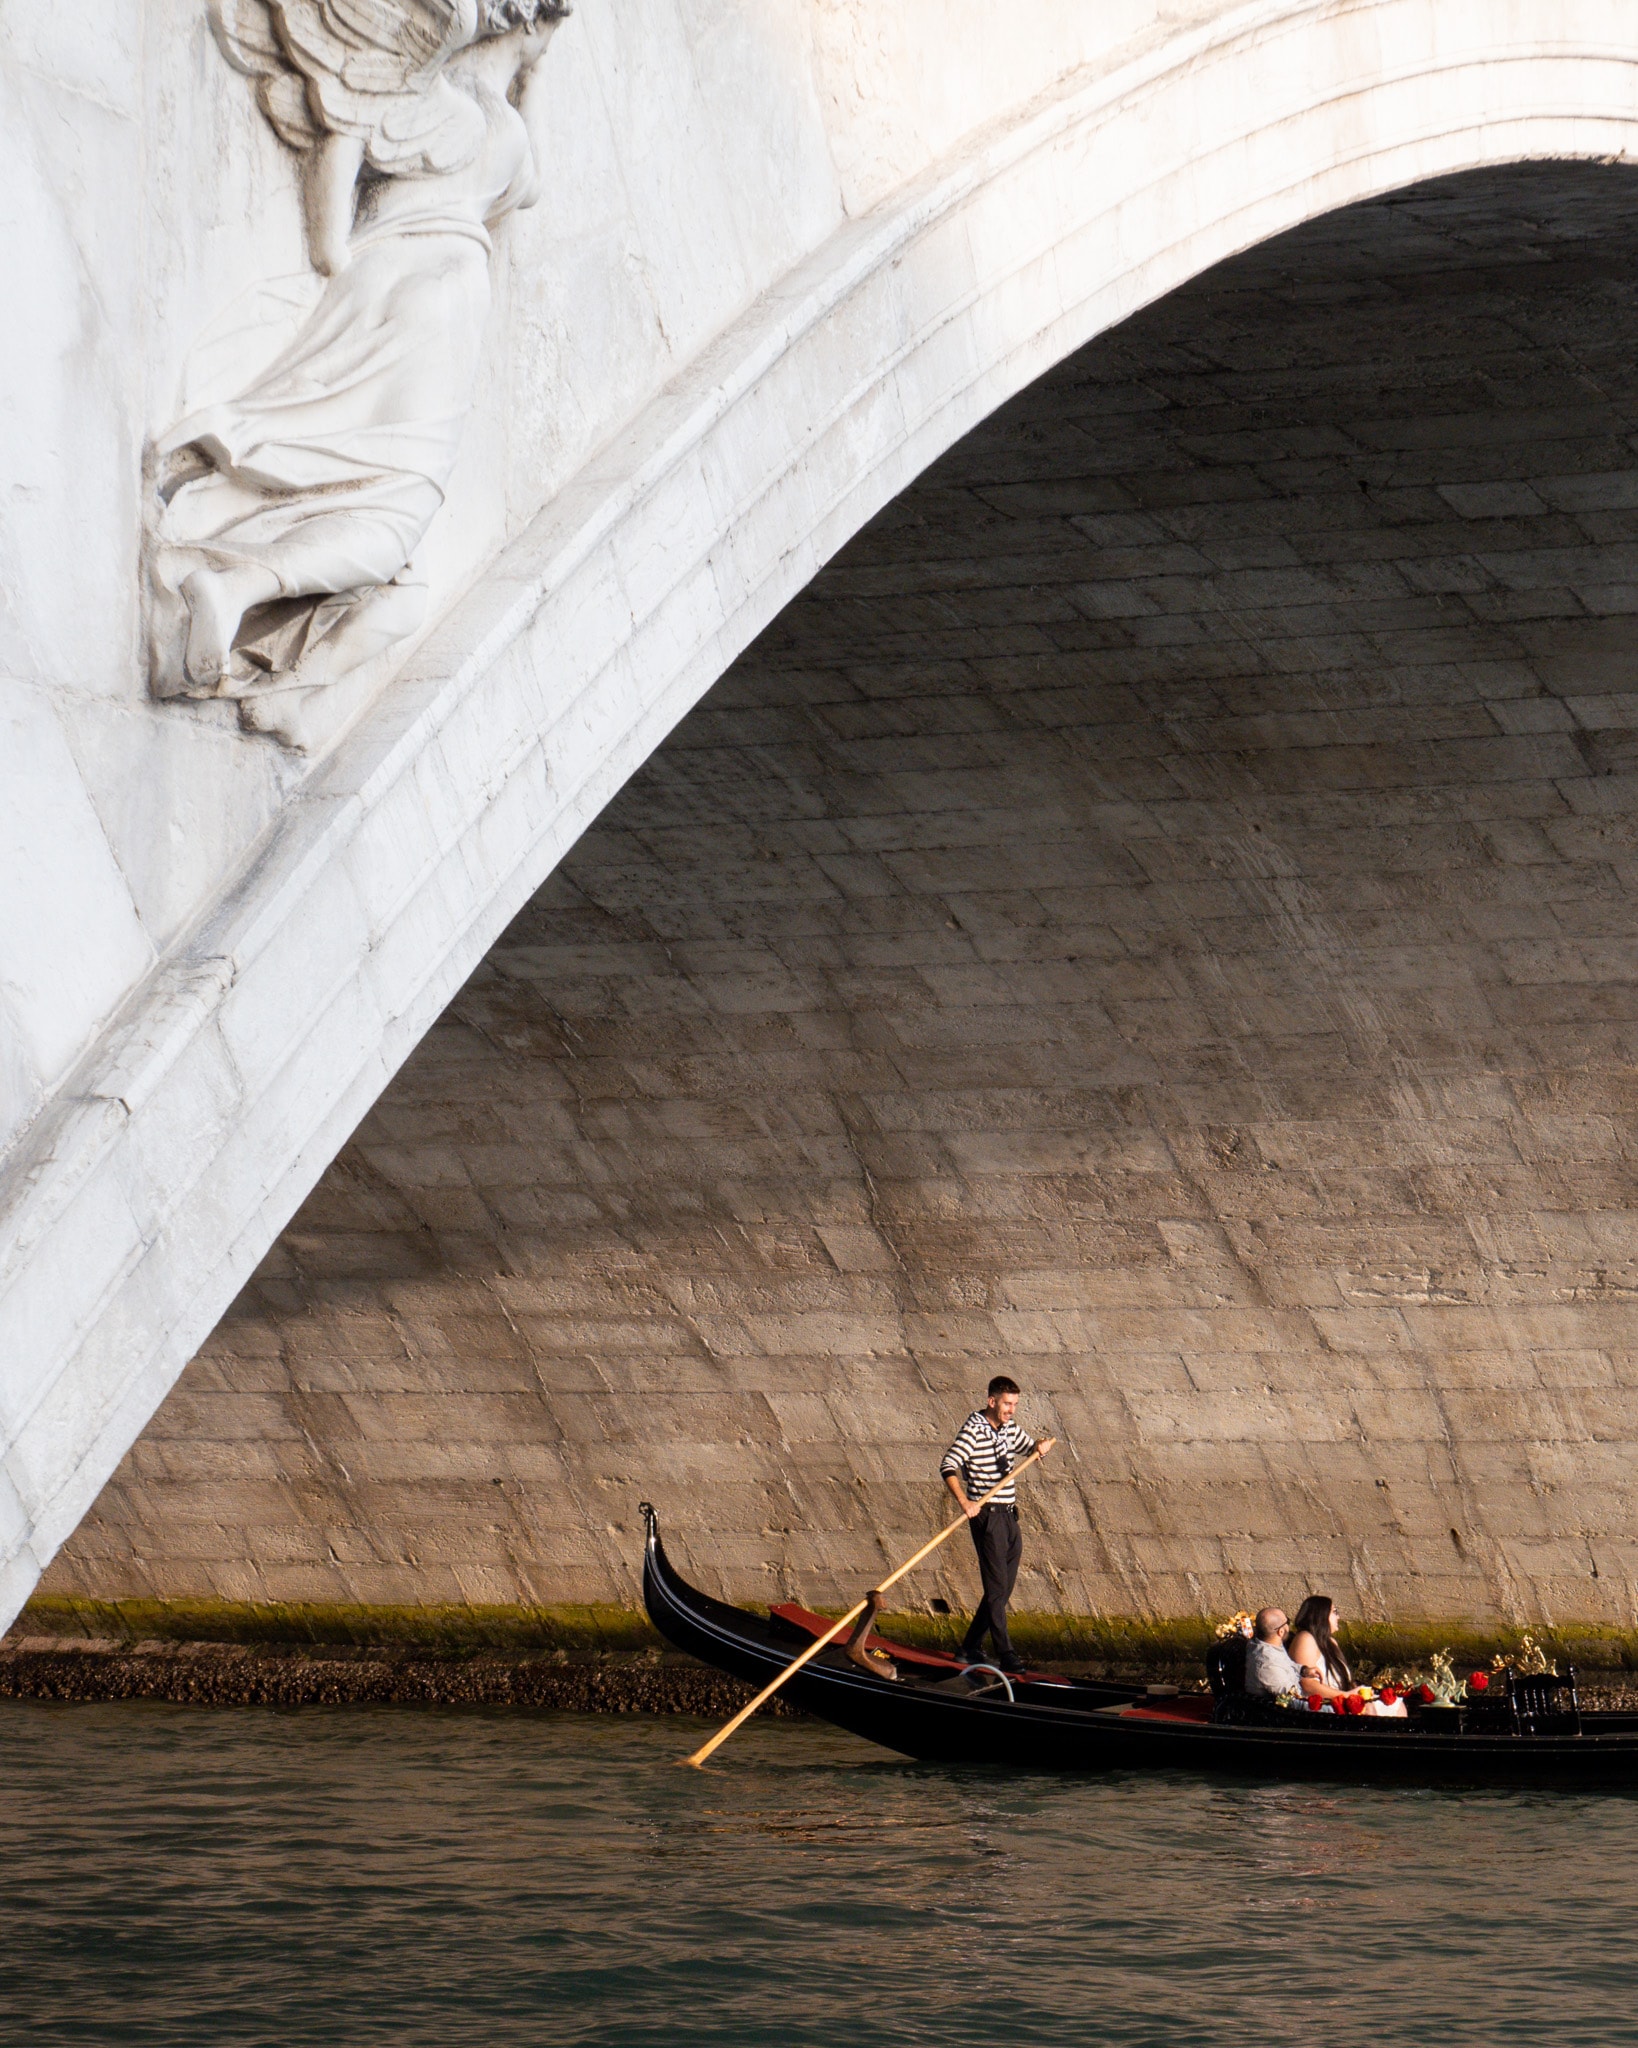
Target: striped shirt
982,1455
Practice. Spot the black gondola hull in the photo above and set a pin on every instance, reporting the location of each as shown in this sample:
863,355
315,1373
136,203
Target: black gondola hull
1083,1728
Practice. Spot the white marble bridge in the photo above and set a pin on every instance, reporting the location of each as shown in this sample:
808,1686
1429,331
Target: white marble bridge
256,831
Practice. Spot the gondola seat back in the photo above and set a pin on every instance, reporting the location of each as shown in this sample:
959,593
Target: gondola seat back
1544,1703
1226,1667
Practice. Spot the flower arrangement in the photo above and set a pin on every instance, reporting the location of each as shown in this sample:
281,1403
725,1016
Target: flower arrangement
1440,1686
1437,1687
1240,1624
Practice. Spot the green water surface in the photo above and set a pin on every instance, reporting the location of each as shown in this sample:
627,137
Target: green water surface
205,1879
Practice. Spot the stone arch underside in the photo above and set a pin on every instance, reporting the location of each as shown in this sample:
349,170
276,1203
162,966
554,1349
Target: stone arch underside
155,1187
1155,916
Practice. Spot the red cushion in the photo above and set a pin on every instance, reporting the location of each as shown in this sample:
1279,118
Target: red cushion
816,1624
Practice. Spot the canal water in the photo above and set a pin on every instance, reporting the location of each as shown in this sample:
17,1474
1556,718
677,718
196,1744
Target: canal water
206,1879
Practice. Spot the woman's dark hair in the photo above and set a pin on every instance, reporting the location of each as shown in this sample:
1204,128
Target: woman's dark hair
1314,1615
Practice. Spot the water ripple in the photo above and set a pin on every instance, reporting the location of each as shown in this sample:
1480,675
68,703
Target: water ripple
431,1880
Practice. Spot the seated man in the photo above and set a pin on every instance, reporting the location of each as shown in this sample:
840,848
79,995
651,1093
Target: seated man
1269,1671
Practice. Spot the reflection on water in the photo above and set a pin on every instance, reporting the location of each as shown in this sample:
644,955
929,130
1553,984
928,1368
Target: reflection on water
179,1878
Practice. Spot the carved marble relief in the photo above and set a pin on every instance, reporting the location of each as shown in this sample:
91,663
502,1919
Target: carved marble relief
287,518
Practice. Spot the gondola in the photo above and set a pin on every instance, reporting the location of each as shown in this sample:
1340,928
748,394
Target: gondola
939,1711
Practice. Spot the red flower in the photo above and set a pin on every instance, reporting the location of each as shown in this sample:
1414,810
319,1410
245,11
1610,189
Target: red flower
1315,1704
1480,1682
1356,1704
1425,1694
1389,1696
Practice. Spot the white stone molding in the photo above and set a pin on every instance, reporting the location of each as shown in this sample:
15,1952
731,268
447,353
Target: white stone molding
144,1198
286,514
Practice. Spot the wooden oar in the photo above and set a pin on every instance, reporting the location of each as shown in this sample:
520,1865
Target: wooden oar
851,1616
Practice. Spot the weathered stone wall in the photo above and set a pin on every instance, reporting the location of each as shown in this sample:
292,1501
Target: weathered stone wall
1156,917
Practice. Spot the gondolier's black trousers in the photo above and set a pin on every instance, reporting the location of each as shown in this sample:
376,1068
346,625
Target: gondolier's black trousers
1000,1546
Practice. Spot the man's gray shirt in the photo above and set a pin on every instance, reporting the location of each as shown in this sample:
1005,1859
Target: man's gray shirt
1270,1670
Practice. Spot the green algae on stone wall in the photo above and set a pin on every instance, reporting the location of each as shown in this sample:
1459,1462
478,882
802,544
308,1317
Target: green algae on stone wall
1170,1648
577,1630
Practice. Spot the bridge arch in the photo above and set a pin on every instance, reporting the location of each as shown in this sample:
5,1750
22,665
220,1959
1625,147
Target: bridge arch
143,1200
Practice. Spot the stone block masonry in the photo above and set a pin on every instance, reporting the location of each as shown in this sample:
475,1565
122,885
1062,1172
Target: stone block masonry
1155,917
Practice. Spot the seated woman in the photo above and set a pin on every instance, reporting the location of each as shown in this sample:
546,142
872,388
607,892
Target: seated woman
1314,1648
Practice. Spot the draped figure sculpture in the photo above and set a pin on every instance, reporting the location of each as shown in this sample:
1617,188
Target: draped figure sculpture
288,516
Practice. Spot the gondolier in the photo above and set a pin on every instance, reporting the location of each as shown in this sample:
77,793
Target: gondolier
989,1446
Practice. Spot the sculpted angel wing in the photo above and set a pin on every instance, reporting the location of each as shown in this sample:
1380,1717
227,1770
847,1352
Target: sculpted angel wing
250,42
367,68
